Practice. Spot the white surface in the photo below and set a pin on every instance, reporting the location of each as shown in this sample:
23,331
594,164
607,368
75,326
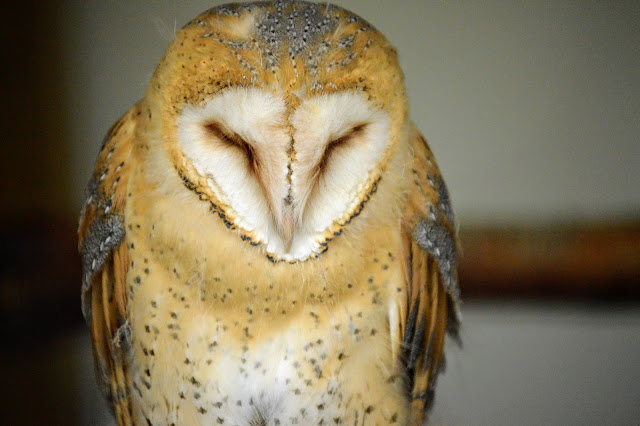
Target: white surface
543,365
532,108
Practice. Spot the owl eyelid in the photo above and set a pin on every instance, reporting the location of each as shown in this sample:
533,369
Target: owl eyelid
356,130
232,139
220,132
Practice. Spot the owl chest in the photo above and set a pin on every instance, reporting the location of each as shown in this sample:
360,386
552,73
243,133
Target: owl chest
229,347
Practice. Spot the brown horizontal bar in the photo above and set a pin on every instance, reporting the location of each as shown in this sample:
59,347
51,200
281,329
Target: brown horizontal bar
596,260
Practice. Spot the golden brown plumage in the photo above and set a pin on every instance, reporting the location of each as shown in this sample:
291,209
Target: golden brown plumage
106,262
314,288
432,293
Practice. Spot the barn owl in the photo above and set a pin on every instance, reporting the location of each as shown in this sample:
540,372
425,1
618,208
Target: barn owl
267,239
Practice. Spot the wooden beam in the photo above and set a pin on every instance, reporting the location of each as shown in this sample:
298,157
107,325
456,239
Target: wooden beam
594,261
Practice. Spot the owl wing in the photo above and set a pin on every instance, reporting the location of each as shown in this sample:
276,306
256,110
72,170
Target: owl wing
104,252
428,309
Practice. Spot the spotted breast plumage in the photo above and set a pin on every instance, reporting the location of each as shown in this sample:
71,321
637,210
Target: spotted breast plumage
267,238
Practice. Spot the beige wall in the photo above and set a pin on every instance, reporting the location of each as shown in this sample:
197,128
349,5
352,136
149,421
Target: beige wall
532,108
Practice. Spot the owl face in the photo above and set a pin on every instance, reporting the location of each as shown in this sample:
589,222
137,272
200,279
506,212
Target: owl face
282,116
286,176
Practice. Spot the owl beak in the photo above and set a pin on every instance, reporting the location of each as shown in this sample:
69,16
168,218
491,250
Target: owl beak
281,209
287,226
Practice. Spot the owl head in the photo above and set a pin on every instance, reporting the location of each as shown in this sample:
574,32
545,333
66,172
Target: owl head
282,117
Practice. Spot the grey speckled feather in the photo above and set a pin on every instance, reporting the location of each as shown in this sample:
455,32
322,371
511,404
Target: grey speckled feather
299,26
437,241
103,237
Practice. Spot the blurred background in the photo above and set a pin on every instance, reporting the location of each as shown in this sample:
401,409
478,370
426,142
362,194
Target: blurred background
533,112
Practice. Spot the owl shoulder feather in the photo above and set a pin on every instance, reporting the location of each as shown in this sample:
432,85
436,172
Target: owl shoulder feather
429,308
104,255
